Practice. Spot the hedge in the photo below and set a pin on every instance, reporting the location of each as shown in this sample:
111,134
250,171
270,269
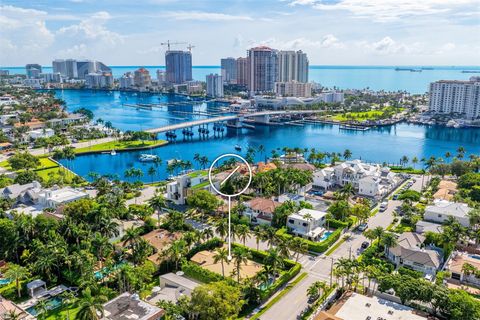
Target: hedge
196,272
208,245
318,247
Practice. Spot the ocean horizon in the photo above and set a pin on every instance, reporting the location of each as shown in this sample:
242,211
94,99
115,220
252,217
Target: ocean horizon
373,77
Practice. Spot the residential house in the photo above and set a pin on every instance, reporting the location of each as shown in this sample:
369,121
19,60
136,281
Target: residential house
260,210
442,210
52,198
8,307
22,193
186,184
464,274
40,133
128,306
370,180
423,227
172,287
410,252
160,240
307,223
71,118
446,190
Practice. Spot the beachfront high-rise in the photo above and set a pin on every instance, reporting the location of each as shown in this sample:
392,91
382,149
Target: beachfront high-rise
292,66
178,66
78,69
229,70
33,70
142,78
456,97
242,71
262,69
214,85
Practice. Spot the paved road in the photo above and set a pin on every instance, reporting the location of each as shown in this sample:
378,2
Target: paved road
318,268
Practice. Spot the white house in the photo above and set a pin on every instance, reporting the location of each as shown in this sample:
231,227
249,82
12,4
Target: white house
441,210
40,133
185,185
371,180
52,198
307,223
409,252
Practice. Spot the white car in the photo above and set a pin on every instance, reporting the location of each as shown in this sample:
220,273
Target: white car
383,206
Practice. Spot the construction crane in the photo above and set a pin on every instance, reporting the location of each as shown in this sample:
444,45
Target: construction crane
190,47
168,44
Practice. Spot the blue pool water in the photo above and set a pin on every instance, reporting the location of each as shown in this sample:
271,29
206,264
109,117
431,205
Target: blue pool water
265,285
100,274
325,235
4,281
52,303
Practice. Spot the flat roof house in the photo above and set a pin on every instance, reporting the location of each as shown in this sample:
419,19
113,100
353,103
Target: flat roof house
409,252
129,306
441,210
455,266
307,223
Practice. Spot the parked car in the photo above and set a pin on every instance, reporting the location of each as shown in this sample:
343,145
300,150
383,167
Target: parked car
383,206
365,244
362,227
395,196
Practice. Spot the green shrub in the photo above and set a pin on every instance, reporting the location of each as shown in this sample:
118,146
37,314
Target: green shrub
196,272
208,245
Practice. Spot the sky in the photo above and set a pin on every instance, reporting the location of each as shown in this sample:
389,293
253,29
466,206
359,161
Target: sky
331,32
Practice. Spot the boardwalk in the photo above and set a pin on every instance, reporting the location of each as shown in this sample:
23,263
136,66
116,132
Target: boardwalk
194,123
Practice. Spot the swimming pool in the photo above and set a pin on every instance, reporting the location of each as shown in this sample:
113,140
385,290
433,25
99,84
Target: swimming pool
100,274
325,235
4,281
266,284
52,303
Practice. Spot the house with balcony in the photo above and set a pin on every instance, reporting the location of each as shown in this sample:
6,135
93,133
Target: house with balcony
370,180
260,210
410,252
186,184
307,223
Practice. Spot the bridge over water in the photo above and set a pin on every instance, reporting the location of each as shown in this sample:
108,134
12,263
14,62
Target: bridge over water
261,116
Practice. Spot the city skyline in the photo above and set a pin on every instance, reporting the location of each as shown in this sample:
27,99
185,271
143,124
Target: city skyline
390,33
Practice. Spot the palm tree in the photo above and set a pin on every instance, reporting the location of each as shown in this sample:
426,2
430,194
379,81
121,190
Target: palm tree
91,308
242,232
207,234
12,315
460,152
176,251
259,235
414,162
261,150
370,235
447,155
347,154
196,158
221,228
298,246
17,273
274,259
309,218
204,161
378,232
157,203
151,172
221,254
347,190
240,255
42,308
388,241
131,235
67,298
316,289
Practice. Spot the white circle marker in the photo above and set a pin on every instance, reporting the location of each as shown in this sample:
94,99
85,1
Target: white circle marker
229,196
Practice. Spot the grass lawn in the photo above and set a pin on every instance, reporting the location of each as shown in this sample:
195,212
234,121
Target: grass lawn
121,145
401,228
44,163
61,313
366,115
45,174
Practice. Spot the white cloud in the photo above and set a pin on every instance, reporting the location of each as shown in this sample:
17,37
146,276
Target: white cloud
205,16
327,41
388,46
389,10
302,2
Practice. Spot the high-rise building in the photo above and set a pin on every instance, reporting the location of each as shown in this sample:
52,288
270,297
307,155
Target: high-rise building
33,70
292,66
214,85
99,80
229,70
71,71
51,77
178,66
127,81
456,97
59,66
293,89
142,78
242,71
161,77
85,67
262,69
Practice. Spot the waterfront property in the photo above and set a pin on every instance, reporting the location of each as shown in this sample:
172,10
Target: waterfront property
260,210
186,184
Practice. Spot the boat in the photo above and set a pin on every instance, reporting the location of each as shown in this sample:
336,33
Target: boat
238,147
147,157
113,153
172,161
